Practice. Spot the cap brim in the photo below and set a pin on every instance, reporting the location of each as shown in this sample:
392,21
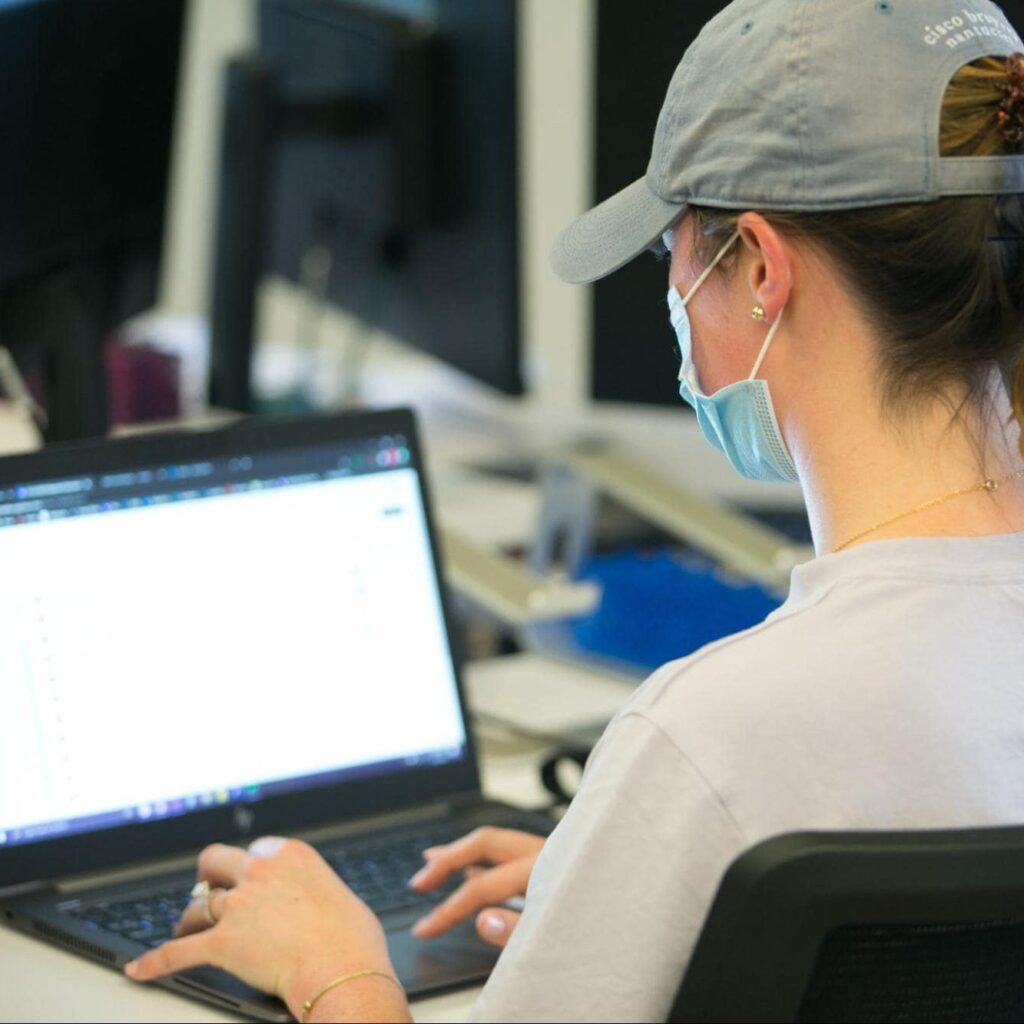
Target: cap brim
610,235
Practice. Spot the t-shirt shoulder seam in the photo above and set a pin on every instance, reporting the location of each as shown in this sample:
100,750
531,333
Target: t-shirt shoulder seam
940,577
807,604
783,615
694,767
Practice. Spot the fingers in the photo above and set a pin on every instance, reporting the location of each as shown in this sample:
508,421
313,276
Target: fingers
485,889
176,955
494,925
287,917
195,918
482,846
222,865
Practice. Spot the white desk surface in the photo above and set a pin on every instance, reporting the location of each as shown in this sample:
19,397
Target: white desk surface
39,982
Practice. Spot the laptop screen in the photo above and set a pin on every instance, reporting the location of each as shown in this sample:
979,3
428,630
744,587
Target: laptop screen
182,635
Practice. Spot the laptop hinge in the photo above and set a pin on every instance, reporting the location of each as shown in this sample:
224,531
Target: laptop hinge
23,889
468,799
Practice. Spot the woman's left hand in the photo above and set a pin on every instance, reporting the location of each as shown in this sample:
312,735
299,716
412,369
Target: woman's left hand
284,922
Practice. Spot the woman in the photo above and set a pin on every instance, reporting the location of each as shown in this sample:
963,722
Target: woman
839,186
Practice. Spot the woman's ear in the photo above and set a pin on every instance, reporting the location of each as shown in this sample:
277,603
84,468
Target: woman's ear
769,265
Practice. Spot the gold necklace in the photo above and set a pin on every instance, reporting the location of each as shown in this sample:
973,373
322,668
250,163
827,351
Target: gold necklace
986,485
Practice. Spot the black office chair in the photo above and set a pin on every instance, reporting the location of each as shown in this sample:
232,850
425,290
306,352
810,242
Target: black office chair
873,926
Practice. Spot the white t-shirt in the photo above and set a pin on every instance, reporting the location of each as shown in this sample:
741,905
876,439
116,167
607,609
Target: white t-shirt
887,692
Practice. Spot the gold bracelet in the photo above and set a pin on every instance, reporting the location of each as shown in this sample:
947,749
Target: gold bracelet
307,1006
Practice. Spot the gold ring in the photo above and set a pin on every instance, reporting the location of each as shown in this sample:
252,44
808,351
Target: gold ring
202,891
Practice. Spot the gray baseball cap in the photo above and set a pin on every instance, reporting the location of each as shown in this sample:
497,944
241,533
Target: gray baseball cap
803,105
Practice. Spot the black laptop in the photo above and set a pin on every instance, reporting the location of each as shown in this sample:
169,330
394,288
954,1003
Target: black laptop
213,636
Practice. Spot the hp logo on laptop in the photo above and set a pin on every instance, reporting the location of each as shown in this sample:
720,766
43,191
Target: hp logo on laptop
244,819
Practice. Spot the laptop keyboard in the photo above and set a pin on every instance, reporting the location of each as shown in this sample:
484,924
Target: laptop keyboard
377,870
147,917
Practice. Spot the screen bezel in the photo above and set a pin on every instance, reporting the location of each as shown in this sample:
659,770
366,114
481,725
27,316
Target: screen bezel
110,847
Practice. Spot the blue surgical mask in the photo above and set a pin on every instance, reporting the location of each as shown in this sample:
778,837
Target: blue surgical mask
738,420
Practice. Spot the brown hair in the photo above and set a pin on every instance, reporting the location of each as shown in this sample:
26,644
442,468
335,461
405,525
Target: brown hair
943,282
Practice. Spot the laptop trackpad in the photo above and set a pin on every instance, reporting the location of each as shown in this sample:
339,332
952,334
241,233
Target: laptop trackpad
456,958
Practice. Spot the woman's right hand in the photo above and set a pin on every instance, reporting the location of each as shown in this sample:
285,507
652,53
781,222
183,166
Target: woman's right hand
497,862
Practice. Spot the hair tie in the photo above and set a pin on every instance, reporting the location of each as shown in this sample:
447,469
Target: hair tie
1011,110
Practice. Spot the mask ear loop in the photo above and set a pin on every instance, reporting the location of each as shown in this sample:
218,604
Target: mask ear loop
707,273
767,345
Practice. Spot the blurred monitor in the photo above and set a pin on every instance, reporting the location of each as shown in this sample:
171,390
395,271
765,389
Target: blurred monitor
636,58
388,142
86,118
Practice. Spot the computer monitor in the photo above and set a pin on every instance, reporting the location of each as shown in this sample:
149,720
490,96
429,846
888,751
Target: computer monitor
628,364
380,134
86,118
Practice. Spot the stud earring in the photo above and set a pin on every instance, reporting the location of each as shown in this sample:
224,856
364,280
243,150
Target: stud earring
758,313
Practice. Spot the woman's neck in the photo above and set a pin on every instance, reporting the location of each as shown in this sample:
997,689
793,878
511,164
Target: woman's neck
869,478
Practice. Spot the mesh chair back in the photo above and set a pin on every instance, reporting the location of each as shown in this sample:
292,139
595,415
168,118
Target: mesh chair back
897,926
918,973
